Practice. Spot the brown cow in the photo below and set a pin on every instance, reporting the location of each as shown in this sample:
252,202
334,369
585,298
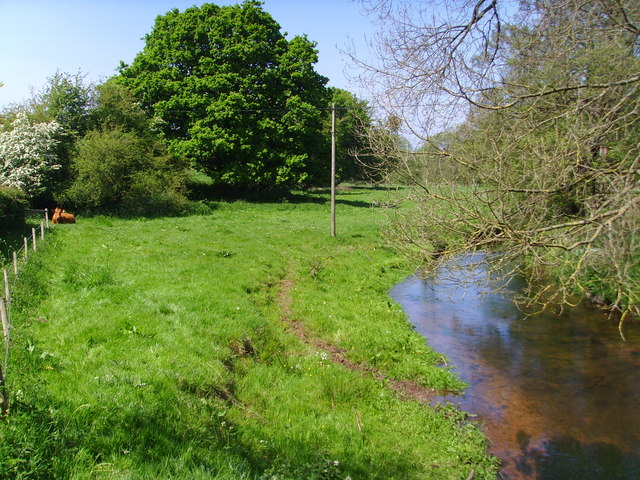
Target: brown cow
60,216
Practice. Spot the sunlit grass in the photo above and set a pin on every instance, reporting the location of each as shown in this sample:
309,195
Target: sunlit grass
163,349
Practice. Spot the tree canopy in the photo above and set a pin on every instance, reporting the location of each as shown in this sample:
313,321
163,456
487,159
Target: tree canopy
235,97
67,99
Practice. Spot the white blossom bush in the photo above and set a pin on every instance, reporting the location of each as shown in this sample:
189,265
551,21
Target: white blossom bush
27,154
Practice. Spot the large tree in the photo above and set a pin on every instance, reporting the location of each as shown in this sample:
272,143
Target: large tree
541,102
238,100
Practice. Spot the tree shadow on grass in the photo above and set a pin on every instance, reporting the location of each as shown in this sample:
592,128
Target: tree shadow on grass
277,196
49,441
205,200
12,238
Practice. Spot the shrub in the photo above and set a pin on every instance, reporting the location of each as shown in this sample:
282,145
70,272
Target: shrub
120,170
13,204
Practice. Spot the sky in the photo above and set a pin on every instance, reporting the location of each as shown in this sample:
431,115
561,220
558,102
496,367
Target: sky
40,37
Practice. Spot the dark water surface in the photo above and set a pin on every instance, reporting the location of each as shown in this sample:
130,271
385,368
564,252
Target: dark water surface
558,395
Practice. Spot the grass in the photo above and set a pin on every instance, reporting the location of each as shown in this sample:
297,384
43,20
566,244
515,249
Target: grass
242,344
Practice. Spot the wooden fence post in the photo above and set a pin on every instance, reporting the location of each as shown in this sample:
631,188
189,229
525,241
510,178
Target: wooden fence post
41,231
46,217
26,248
4,396
5,320
7,293
15,263
33,236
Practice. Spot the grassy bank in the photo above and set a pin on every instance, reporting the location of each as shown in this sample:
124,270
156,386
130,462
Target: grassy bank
241,344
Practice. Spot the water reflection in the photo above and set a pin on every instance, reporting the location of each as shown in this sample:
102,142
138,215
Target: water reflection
557,394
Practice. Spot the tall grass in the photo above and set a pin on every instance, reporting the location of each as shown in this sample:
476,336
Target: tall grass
205,347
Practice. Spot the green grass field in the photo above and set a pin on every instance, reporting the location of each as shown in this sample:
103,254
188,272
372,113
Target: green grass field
241,344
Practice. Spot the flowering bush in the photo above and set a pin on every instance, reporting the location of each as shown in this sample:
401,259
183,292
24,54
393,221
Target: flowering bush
27,154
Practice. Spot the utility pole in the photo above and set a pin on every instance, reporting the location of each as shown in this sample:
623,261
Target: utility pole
333,169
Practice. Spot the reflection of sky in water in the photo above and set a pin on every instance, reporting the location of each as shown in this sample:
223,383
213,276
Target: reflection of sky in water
566,384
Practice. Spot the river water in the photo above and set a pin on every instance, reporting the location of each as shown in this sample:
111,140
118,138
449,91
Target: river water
558,395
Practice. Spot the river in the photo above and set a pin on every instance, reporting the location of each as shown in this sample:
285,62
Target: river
558,395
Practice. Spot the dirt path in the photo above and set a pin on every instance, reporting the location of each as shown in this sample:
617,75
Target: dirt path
406,389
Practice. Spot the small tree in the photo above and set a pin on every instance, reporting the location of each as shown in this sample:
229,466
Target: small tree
67,100
28,154
117,170
542,104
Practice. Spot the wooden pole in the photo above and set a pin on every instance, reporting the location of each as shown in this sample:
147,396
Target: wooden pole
33,237
333,169
4,397
46,217
7,293
41,231
26,248
15,263
5,320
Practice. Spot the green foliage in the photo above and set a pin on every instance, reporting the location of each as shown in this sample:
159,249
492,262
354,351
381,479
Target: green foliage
67,100
116,169
352,121
116,107
237,99
122,165
13,204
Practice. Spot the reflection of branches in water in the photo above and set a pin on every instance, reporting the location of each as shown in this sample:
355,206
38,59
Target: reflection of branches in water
473,276
552,375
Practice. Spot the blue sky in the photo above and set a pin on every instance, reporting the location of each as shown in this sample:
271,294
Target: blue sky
40,37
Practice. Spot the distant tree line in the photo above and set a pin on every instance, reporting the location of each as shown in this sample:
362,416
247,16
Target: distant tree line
216,92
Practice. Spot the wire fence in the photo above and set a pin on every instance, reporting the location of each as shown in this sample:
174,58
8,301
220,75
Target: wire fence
10,274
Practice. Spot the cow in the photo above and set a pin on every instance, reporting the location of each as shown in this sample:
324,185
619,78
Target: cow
60,216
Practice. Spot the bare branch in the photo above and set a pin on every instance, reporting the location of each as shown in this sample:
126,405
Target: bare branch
529,120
